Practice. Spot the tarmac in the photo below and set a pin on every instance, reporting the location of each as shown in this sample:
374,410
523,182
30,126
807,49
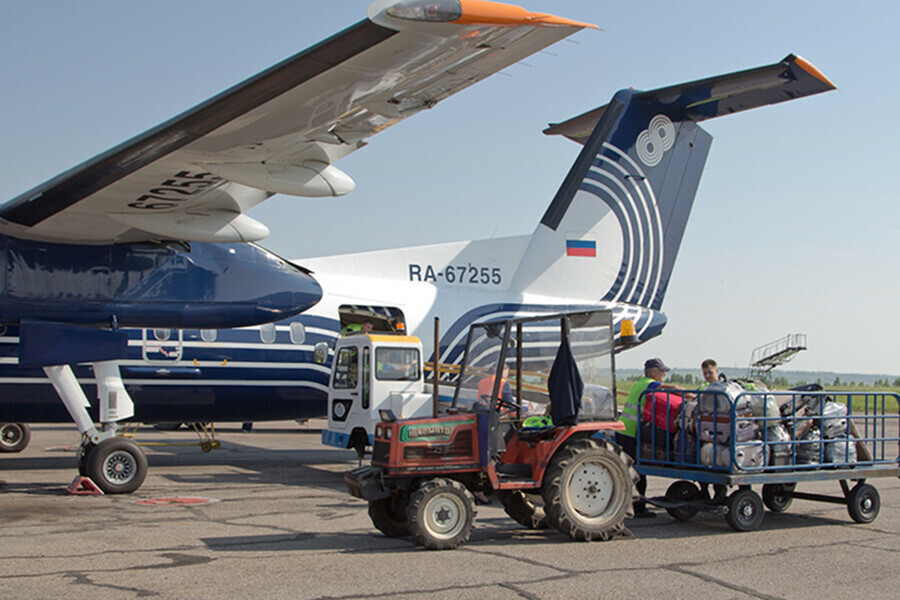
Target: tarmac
274,520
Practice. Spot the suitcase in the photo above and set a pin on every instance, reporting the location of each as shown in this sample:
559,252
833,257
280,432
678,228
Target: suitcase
750,455
778,446
834,421
809,448
718,429
719,397
842,451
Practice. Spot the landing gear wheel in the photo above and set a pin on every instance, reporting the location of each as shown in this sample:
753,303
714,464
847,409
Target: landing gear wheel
863,503
83,452
116,465
745,510
778,496
587,490
683,491
14,437
525,509
389,516
441,514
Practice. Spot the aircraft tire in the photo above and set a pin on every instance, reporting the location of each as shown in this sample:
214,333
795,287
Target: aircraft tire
441,514
587,490
116,465
14,437
525,509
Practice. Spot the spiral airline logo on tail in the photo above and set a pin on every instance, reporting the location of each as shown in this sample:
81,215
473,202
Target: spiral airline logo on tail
653,142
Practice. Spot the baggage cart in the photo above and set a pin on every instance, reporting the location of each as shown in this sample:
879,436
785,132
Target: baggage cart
800,436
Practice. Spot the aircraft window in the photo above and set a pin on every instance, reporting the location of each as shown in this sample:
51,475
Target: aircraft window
298,333
346,373
267,333
163,335
397,364
208,335
2,329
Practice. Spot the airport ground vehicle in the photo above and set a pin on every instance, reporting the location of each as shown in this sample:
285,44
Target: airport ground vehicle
425,470
776,440
370,373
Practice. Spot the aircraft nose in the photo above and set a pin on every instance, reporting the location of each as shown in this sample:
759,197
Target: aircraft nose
295,291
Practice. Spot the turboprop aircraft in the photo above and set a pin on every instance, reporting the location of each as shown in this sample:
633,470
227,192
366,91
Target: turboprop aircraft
152,233
609,238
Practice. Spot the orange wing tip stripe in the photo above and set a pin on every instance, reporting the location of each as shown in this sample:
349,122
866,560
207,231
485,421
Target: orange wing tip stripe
482,12
809,68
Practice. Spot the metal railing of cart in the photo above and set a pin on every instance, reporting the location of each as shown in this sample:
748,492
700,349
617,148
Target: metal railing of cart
773,439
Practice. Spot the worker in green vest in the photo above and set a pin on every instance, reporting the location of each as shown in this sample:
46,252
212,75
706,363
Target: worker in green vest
654,373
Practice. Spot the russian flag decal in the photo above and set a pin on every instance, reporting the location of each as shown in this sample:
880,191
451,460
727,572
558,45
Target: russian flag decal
581,248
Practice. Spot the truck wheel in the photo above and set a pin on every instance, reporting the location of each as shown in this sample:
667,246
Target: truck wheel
682,491
14,437
389,516
525,509
587,490
441,514
745,510
863,503
778,496
116,465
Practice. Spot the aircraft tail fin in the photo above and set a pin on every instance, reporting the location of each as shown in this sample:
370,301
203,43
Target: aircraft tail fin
615,226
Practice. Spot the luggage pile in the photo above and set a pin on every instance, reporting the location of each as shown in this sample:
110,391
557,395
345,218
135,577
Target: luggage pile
804,430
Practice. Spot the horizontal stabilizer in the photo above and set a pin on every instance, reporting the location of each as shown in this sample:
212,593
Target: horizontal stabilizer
704,99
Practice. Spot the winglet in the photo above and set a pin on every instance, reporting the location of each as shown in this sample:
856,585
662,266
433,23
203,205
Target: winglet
812,70
482,12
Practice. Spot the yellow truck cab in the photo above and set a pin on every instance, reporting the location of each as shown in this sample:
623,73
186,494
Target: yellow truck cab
371,373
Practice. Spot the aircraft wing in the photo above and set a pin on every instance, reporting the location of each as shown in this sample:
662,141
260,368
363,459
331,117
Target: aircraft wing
192,177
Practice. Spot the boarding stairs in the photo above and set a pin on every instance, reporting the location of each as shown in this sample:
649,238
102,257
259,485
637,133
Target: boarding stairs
774,354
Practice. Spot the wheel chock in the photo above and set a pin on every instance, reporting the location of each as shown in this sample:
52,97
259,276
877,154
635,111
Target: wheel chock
84,486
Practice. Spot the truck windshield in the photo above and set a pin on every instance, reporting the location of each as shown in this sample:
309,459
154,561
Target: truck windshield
397,364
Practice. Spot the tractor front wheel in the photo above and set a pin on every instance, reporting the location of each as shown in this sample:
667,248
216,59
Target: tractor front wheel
441,514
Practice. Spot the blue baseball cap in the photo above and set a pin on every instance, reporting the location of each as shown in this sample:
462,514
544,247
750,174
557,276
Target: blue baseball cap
656,363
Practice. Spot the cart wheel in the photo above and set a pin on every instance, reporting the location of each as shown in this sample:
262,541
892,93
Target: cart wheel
682,491
863,503
441,514
745,510
778,496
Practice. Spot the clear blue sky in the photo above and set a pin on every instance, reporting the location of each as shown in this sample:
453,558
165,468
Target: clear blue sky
794,229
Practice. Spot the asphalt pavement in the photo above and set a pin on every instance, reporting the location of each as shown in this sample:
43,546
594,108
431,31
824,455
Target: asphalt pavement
272,519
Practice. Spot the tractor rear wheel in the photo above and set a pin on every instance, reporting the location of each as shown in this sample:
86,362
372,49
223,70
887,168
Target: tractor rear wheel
441,514
587,490
525,509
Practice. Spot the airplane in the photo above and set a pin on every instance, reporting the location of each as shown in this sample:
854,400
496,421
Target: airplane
152,233
608,239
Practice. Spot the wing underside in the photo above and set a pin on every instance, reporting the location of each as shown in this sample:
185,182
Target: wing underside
281,131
